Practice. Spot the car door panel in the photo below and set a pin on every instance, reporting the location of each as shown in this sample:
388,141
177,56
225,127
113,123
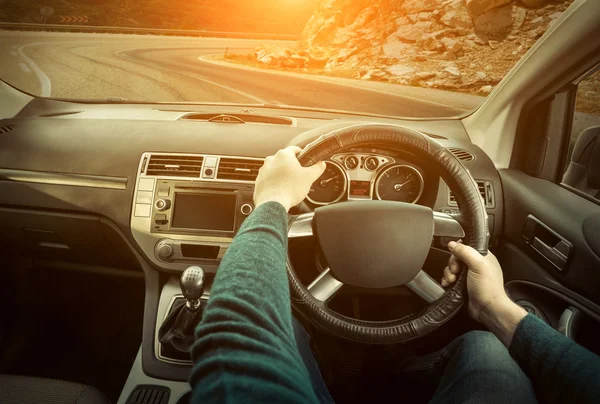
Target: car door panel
564,213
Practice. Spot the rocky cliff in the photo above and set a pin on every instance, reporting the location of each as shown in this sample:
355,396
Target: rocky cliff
466,45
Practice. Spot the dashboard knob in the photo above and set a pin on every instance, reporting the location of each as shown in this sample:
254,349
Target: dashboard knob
246,209
164,251
162,204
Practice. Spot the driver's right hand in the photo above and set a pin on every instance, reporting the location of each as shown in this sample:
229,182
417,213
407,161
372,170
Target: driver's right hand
485,283
282,179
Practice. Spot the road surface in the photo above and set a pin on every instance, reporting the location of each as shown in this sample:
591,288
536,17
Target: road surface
155,68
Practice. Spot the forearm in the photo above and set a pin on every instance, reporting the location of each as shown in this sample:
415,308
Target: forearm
560,369
245,345
502,319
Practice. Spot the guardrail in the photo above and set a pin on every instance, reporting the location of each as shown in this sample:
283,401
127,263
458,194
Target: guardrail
143,31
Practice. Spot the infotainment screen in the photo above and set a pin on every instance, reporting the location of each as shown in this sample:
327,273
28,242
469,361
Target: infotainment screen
204,211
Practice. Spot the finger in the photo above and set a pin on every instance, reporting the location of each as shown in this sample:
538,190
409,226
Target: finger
454,265
466,254
449,276
295,150
316,170
445,283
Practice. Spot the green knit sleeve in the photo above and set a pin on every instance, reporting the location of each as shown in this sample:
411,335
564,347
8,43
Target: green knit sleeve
561,370
245,349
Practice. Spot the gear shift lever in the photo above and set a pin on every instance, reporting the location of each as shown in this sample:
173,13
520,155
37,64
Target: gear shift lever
176,334
192,286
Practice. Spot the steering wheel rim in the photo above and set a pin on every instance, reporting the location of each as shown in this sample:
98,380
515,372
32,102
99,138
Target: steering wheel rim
472,217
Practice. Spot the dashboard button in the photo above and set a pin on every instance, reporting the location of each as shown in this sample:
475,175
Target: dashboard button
146,184
163,191
246,209
163,204
142,210
164,251
144,197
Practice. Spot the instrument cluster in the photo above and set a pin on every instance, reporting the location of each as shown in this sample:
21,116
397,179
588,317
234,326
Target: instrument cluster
360,176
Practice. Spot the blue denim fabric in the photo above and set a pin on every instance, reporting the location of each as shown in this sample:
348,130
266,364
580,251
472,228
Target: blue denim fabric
474,368
303,344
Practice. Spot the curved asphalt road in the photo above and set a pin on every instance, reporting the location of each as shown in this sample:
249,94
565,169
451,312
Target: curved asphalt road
153,68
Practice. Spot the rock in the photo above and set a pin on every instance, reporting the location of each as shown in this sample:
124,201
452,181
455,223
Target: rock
489,68
417,6
495,22
535,3
365,16
486,90
494,44
478,7
473,65
411,33
402,21
413,18
481,76
451,45
423,76
519,15
395,49
448,56
401,70
554,16
424,16
536,22
457,19
452,71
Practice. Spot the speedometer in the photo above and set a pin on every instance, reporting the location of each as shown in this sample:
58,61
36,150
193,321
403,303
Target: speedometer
329,187
399,183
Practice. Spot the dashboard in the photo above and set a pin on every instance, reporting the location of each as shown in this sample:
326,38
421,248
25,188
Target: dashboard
112,186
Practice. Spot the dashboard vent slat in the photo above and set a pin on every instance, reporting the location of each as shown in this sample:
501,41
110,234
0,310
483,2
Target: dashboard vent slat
6,128
238,169
175,165
485,189
461,154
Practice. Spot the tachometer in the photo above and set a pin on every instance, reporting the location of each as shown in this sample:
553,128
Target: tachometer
330,187
399,183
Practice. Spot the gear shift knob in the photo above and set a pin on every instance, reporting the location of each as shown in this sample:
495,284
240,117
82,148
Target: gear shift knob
192,286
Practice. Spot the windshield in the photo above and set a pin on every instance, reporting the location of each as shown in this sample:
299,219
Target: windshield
411,58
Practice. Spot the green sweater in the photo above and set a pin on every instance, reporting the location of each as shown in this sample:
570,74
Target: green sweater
245,349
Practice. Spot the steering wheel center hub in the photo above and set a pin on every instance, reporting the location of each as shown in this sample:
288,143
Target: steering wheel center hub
374,244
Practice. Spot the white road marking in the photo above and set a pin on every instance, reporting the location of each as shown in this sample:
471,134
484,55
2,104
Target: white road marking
45,85
25,68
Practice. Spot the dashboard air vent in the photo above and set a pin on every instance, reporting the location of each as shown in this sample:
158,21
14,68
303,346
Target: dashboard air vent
175,165
462,154
149,395
6,128
485,189
238,169
239,118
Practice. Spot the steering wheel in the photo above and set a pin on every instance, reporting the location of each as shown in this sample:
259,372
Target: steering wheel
381,244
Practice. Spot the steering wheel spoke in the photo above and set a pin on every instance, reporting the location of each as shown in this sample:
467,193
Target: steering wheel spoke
426,287
325,286
302,226
445,225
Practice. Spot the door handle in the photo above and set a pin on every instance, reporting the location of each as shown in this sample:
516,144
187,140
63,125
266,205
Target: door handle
551,253
546,242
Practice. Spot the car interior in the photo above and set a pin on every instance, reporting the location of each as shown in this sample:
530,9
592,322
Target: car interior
115,216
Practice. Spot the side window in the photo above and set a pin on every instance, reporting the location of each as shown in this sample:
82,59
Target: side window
582,167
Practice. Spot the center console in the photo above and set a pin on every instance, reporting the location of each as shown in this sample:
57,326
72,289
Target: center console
186,210
188,207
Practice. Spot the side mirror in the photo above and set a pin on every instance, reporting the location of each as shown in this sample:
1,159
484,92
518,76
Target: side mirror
583,172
